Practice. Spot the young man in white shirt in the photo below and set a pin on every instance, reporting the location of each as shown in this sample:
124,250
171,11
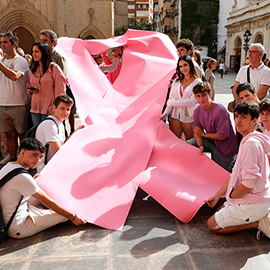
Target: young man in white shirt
52,132
13,99
29,219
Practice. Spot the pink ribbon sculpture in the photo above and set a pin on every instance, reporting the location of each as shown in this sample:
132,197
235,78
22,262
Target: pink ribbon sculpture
124,144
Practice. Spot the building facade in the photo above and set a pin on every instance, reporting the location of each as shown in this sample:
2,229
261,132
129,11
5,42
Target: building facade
169,20
141,9
85,18
254,17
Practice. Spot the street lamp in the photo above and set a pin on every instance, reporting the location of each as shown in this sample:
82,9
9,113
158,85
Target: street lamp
246,36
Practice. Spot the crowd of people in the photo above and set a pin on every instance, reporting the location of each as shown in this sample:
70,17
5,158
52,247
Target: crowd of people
194,117
190,109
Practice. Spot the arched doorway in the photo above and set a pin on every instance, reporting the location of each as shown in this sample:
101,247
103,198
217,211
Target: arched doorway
258,39
90,37
238,47
235,59
26,40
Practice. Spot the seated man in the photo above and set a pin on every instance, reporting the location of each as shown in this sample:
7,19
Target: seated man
212,127
29,219
247,189
53,132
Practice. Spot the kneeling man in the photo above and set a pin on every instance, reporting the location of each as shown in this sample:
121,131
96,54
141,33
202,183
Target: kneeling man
212,127
247,189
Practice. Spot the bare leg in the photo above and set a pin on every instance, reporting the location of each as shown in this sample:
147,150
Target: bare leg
211,223
12,143
176,127
188,131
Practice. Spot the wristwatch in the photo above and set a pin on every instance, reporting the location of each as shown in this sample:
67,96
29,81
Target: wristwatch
203,134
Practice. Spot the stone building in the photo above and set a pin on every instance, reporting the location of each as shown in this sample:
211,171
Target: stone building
85,18
169,21
140,9
254,17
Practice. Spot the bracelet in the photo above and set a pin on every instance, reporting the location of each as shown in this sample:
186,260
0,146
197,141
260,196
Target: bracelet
74,218
200,145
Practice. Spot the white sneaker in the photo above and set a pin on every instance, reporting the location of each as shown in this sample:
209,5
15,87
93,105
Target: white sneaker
264,226
5,160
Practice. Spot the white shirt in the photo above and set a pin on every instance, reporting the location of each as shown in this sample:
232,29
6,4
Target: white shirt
258,76
13,93
10,194
47,131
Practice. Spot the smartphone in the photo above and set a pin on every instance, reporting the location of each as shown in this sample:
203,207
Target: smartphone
32,88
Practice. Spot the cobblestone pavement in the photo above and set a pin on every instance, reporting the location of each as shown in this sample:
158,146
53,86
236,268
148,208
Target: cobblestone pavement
151,239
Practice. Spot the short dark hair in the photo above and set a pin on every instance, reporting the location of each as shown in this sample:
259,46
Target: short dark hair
248,107
245,86
49,33
186,43
265,105
13,38
32,144
63,98
202,87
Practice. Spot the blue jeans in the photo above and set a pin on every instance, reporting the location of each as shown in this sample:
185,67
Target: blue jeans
37,118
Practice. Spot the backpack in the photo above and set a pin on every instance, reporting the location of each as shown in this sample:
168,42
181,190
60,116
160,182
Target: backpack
31,133
5,179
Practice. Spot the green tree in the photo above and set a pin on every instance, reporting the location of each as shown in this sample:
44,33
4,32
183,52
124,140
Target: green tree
141,24
200,23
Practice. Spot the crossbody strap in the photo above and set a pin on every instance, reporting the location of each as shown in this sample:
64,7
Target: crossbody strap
248,74
4,180
13,215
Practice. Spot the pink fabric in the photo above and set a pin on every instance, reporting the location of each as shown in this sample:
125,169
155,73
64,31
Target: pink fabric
124,145
50,85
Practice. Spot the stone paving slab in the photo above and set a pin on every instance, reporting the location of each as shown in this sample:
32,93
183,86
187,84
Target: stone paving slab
155,240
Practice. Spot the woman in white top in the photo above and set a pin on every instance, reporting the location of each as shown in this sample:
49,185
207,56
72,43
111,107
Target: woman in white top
181,103
209,75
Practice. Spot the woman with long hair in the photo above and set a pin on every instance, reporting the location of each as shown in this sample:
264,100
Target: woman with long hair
46,81
210,77
182,103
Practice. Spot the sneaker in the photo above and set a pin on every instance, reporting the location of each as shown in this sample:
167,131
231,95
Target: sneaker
6,159
264,226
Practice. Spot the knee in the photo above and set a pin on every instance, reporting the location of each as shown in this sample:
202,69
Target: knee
212,225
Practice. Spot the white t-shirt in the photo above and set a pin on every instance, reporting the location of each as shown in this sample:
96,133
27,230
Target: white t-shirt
47,131
258,76
13,93
10,194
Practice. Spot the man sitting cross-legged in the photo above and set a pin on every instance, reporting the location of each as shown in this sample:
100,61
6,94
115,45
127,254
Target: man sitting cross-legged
247,189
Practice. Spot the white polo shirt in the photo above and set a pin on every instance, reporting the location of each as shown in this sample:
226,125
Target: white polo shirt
258,76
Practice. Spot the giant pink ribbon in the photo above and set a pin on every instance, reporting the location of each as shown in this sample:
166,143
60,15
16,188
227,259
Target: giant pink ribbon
124,144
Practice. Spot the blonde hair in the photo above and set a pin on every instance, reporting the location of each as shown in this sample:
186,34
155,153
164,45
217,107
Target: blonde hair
210,62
